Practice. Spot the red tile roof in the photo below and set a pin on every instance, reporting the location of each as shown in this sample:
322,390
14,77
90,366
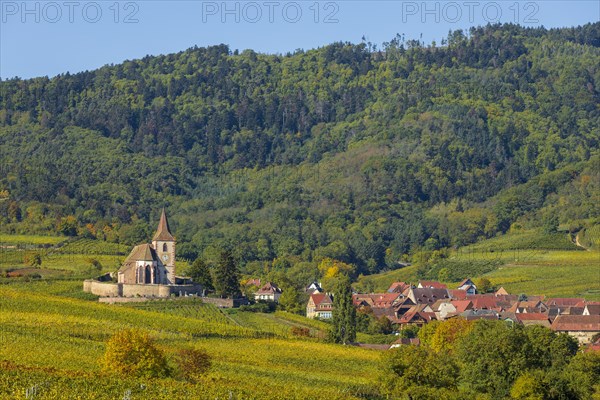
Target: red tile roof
458,294
321,300
432,285
532,317
564,301
462,305
398,287
577,323
483,301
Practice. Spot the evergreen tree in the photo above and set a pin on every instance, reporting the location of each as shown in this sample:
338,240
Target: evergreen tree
226,280
200,273
343,327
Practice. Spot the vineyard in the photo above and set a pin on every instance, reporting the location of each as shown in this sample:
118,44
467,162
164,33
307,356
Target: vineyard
590,237
50,344
522,262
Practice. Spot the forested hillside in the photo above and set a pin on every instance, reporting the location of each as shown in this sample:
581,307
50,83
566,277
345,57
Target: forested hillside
346,151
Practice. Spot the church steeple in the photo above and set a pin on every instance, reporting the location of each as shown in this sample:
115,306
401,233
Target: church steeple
163,233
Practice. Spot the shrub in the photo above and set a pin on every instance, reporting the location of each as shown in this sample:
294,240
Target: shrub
193,363
133,353
301,332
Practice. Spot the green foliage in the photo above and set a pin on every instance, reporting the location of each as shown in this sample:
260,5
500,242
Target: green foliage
200,273
409,332
461,359
292,300
133,353
343,322
411,370
484,285
550,224
226,281
260,307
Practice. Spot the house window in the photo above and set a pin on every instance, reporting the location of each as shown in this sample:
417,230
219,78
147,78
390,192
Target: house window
165,248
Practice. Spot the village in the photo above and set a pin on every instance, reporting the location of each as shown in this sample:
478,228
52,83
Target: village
407,305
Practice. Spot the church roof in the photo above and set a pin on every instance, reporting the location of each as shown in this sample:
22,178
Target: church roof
163,232
142,252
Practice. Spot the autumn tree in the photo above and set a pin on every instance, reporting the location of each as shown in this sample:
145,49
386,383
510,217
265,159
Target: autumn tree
133,353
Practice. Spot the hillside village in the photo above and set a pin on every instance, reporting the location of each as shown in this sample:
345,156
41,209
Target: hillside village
406,305
409,305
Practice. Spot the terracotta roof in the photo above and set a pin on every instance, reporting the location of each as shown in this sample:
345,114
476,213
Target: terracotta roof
575,323
564,301
417,316
483,301
458,294
432,285
461,305
163,232
321,299
398,287
376,300
532,317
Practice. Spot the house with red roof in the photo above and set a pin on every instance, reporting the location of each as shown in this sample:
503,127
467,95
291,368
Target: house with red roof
320,305
581,327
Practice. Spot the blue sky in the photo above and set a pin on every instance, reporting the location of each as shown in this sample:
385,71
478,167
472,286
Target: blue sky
39,38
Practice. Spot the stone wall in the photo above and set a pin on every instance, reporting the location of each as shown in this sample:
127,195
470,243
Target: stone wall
104,289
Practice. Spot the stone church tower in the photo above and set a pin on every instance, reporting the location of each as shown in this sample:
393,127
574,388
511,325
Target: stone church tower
164,245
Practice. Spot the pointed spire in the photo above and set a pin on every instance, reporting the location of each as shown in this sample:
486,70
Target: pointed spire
163,232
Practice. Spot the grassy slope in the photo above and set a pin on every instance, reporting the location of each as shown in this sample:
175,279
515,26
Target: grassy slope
530,262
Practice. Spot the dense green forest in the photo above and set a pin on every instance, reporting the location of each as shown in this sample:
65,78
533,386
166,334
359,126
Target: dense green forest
360,154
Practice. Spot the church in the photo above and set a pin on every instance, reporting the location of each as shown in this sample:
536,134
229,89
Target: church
151,263
148,272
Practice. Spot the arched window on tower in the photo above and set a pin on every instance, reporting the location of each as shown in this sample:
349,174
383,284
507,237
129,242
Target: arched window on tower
165,248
